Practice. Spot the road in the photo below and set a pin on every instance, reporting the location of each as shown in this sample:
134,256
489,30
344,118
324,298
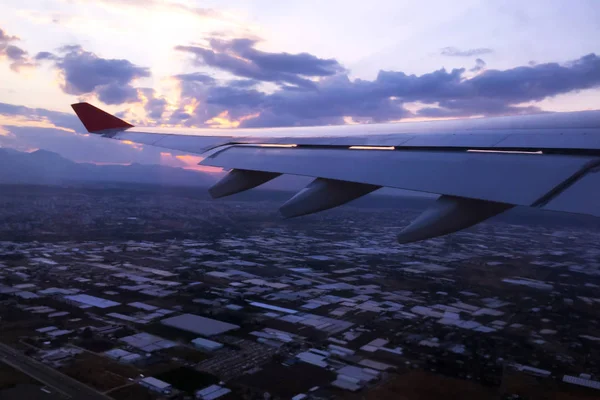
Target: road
48,376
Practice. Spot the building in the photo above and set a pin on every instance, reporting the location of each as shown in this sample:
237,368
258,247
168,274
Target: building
542,373
206,345
581,381
156,385
147,342
91,301
123,356
212,392
199,325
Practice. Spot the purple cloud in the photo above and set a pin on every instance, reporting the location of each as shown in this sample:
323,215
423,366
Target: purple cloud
479,65
18,57
59,119
240,58
450,94
454,52
84,72
155,106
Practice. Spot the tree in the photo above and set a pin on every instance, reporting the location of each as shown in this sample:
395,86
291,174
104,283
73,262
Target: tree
87,333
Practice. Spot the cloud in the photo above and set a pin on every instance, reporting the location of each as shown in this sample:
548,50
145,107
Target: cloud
45,55
444,93
155,106
25,128
38,116
201,12
18,57
5,38
454,52
479,65
196,77
240,58
83,72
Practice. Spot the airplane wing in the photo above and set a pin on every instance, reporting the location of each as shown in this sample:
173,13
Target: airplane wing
480,167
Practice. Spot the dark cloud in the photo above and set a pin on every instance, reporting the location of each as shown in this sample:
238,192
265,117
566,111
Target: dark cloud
155,106
196,77
5,38
18,57
240,58
243,83
479,65
454,52
15,53
45,55
84,72
59,119
446,94
470,107
116,93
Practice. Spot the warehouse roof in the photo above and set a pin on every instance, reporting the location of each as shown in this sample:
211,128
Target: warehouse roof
199,325
92,301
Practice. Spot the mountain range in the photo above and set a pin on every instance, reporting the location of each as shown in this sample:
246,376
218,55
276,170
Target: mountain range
48,168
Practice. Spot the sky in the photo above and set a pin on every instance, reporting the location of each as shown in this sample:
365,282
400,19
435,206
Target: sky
264,63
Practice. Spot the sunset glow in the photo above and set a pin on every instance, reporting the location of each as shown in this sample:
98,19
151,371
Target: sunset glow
223,121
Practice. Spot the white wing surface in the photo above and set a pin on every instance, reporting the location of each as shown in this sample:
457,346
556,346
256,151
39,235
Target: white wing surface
480,167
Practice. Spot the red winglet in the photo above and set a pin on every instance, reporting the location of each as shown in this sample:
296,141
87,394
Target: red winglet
95,120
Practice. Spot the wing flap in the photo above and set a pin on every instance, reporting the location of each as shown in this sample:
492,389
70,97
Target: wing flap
580,198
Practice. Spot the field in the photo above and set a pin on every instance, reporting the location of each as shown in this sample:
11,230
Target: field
421,385
98,372
10,377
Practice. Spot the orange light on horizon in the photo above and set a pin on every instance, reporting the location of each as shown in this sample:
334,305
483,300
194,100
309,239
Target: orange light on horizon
191,107
22,121
5,133
189,162
223,121
192,162
348,120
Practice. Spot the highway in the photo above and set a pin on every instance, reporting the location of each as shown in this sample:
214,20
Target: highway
48,376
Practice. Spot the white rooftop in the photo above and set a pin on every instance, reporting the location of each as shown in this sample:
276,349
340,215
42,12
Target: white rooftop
199,325
157,383
92,301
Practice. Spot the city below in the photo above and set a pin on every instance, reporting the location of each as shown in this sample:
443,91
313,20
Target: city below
141,292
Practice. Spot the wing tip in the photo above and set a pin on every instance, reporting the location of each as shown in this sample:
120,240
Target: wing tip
96,120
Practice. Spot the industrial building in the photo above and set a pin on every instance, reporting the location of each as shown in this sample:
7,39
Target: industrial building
123,356
212,392
156,385
147,342
90,301
206,345
199,325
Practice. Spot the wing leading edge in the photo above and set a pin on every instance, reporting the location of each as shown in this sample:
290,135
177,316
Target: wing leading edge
479,167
